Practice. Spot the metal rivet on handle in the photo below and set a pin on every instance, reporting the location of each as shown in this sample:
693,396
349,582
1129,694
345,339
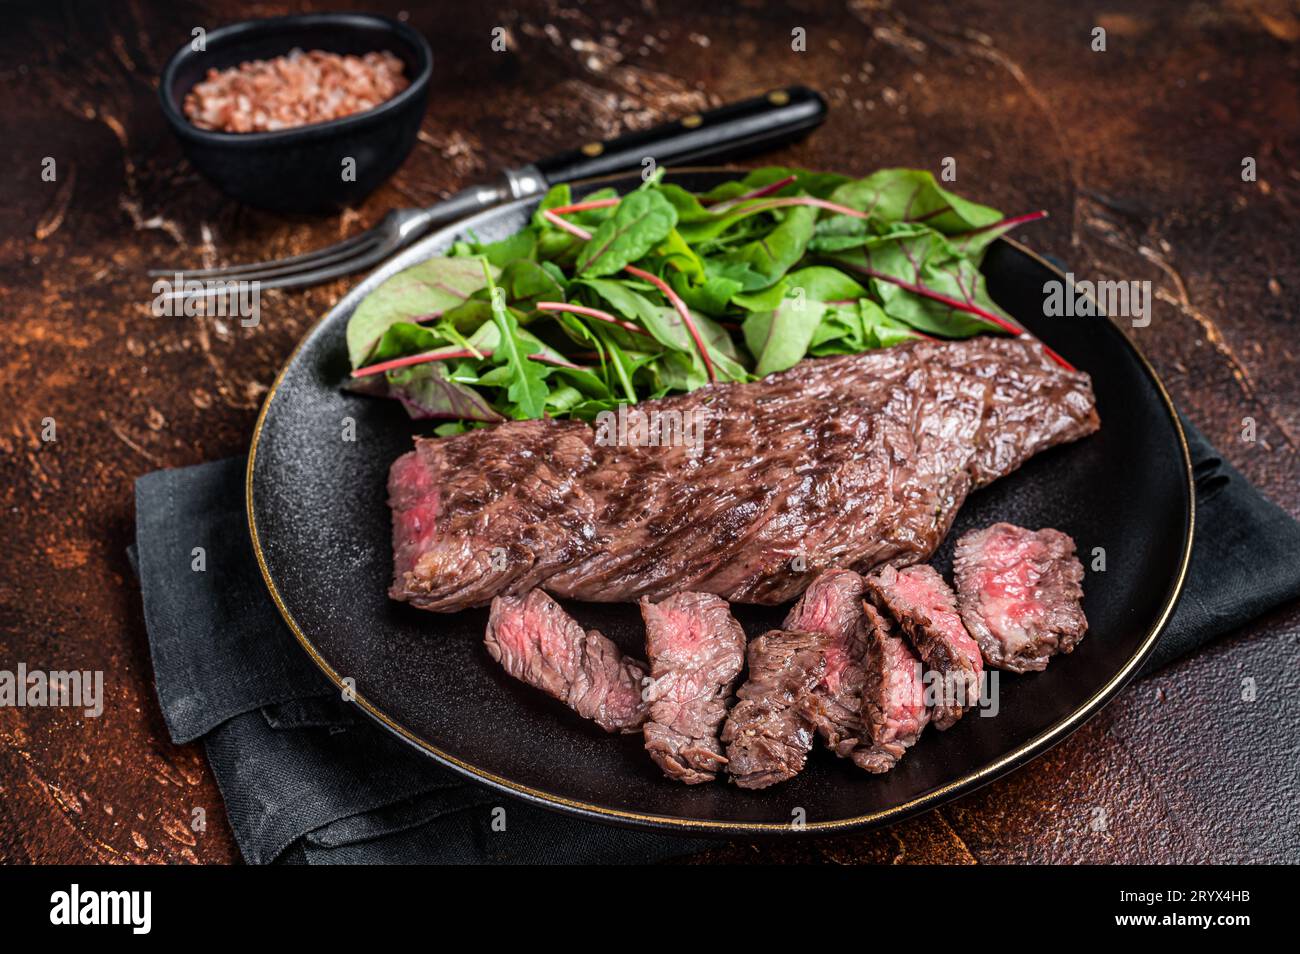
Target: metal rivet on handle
778,97
593,149
693,120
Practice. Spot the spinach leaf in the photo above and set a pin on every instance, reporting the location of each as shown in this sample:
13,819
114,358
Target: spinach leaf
525,283
641,221
780,338
819,282
781,248
520,246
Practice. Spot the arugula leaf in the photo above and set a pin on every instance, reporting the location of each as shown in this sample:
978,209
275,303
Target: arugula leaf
422,291
641,221
527,387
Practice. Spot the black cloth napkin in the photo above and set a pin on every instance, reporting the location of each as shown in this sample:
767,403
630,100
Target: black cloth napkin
307,779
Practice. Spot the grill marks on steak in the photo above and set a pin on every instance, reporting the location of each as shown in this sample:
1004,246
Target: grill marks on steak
496,514
850,461
832,606
538,643
893,696
925,609
1019,592
766,734
696,651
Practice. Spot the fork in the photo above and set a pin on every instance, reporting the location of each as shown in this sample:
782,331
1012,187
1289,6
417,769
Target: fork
728,132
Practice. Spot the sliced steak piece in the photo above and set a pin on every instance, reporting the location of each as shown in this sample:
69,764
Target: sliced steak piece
924,607
893,696
538,643
696,652
766,734
1019,593
832,606
852,461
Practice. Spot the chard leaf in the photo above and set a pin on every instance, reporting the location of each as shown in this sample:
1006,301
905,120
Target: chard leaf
425,290
724,355
910,267
426,392
912,195
710,294
641,221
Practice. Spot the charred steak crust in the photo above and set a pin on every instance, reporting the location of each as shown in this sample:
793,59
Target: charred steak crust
535,641
766,734
1019,594
696,651
832,606
924,607
851,461
893,696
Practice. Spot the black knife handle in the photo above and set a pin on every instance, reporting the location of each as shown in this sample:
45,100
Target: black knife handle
724,133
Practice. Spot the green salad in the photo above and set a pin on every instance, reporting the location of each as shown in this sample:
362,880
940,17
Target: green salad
612,300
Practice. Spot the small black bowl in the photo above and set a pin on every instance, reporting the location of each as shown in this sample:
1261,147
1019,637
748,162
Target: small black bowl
302,169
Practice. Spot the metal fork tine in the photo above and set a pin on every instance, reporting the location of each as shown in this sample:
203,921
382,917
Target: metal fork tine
291,268
364,259
305,260
357,262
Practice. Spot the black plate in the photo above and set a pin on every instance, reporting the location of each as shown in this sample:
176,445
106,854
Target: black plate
320,526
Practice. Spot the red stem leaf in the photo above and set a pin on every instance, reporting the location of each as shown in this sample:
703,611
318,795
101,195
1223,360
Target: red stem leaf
682,310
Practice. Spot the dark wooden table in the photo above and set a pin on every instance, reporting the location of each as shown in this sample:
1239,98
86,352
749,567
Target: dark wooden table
1137,152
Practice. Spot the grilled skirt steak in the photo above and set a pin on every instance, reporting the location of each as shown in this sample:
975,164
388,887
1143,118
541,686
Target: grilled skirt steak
851,461
696,652
766,735
832,606
925,609
1018,591
893,697
538,643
